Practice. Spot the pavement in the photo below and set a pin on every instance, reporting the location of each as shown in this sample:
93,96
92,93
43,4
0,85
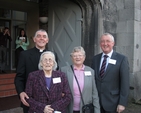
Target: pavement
14,110
133,107
12,104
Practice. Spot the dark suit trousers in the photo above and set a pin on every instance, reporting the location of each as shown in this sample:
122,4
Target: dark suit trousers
25,108
103,111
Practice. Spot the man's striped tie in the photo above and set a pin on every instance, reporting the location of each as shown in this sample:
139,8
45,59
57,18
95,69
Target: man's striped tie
102,70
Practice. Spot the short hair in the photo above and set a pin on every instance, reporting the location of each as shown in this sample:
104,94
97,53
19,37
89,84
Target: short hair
5,28
53,58
108,34
21,32
78,49
40,30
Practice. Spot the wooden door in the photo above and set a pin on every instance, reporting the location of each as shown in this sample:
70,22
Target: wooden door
64,29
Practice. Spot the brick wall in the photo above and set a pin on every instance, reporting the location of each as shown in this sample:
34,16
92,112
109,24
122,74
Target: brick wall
7,87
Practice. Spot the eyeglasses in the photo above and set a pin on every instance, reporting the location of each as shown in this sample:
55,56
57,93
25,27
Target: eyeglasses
47,60
79,56
39,36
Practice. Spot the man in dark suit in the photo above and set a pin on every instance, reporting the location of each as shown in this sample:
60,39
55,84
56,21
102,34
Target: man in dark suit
28,62
113,83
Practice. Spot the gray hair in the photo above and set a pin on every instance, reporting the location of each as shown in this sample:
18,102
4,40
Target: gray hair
53,58
108,34
40,30
78,49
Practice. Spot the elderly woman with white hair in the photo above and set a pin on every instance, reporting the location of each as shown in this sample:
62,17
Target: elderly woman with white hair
48,89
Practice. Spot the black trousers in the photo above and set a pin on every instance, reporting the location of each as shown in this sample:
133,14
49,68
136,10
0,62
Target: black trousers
103,111
3,57
25,108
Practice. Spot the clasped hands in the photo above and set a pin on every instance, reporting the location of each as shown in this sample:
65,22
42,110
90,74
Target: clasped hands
48,109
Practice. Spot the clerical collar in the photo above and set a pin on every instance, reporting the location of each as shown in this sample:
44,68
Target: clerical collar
41,50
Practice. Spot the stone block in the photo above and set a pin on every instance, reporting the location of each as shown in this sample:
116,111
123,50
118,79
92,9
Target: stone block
110,26
137,4
125,26
137,84
121,27
137,40
125,39
126,14
137,26
120,4
129,4
137,15
125,50
132,85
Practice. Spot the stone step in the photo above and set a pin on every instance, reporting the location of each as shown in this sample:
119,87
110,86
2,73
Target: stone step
7,87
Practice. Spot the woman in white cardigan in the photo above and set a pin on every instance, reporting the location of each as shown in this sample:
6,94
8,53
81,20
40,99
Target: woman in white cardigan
22,43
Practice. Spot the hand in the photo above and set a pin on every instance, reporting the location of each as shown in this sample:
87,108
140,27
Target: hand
120,108
23,95
48,109
23,40
21,43
63,94
8,33
5,33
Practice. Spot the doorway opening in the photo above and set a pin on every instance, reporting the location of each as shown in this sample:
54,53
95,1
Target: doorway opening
14,20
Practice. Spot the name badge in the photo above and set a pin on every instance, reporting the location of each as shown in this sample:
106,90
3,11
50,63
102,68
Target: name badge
112,61
87,73
56,80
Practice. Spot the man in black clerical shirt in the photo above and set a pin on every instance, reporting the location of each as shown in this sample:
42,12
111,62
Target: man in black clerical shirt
28,62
